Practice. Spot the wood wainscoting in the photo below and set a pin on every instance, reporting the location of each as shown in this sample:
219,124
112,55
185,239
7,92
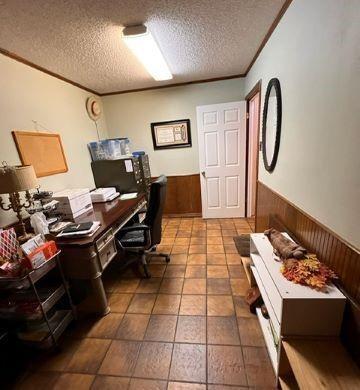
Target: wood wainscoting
183,196
329,247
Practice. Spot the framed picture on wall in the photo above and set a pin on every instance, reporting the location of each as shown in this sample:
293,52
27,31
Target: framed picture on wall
171,134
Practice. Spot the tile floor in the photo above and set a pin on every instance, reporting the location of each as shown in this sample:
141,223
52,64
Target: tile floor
186,328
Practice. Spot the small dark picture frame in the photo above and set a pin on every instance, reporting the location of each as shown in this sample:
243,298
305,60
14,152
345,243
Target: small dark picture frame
171,134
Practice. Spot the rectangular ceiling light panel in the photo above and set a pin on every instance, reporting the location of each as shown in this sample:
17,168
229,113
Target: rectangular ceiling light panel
143,45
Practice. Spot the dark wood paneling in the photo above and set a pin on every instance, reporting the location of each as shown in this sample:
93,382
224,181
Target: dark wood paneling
183,195
273,210
329,247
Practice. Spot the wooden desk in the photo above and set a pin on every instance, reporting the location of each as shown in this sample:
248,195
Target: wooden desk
84,259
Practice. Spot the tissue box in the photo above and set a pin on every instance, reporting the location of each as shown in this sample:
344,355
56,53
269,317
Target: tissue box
41,254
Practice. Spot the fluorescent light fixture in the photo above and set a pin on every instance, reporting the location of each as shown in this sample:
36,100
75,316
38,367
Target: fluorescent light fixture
140,41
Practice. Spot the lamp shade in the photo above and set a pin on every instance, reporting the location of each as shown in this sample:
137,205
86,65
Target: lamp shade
17,179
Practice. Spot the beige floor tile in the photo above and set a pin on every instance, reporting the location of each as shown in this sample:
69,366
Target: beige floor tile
214,240
185,386
197,249
213,233
193,305
133,327
154,360
194,286
191,329
121,358
222,330
198,241
171,286
151,285
197,259
217,271
226,365
180,249
74,381
215,249
182,241
167,304
195,271
177,259
119,302
103,382
216,259
175,271
233,259
147,384
142,304
220,305
161,328
188,363
250,332
84,360
239,286
218,286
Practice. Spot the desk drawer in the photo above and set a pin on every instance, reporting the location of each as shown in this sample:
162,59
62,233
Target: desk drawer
107,253
271,290
104,239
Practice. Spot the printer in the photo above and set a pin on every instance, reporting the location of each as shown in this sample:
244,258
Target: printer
73,202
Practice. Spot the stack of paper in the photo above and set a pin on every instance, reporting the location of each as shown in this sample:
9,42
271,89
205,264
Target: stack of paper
103,194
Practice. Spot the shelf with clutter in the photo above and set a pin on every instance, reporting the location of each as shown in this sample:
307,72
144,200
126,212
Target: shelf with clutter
35,303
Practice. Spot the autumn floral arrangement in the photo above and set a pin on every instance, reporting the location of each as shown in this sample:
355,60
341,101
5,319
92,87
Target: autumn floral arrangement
309,272
298,266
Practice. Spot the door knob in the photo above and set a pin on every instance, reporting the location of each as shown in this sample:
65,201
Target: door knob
203,173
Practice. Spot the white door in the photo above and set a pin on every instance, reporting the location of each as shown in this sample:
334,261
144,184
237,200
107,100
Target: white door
222,156
253,153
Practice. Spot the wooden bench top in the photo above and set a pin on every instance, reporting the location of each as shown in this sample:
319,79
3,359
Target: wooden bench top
321,364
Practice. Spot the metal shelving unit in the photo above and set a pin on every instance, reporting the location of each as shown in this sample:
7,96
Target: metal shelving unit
52,328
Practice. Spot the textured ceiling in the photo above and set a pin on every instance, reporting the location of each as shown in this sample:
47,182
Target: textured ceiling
80,39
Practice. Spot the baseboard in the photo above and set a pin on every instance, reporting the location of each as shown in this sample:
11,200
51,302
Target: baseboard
184,215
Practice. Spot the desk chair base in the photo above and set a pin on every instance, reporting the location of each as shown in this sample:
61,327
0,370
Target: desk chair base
151,253
144,256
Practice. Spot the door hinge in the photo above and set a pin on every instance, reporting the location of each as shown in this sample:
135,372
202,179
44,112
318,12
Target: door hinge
247,115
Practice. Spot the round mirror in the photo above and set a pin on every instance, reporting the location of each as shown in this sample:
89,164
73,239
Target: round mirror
271,127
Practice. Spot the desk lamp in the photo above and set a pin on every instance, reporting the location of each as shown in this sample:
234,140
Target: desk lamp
15,179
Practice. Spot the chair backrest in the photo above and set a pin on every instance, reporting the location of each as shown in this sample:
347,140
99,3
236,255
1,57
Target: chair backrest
155,208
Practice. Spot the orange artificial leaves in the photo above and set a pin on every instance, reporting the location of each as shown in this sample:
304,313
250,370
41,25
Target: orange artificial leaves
309,272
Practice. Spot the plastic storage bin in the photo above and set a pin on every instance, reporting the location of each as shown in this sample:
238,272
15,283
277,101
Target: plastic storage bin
109,149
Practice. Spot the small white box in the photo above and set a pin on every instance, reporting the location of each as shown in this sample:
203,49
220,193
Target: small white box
73,202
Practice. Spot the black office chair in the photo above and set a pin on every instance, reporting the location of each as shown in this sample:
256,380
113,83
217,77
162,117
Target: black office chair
142,238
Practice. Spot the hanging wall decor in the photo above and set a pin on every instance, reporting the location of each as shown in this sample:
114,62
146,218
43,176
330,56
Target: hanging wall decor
171,134
271,126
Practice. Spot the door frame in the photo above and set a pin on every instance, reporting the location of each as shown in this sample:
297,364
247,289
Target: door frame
256,89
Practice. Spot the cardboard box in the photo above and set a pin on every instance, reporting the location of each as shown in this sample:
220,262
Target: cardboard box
73,202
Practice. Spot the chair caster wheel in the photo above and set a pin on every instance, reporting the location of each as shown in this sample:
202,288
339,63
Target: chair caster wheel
167,259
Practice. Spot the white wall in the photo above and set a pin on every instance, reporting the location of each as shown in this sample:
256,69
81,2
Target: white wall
315,53
28,94
130,115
